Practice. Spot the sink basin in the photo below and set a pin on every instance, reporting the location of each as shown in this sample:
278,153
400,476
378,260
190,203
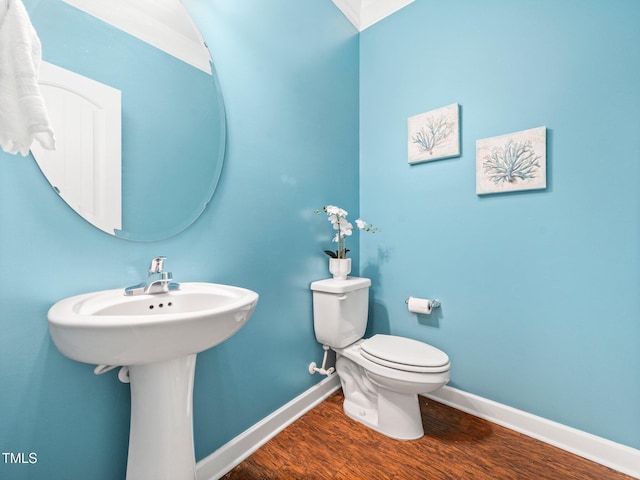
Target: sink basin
110,328
156,338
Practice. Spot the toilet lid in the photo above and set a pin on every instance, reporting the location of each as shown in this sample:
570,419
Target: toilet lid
404,354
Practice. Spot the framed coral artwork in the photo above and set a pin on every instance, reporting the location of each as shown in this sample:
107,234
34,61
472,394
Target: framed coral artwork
516,161
434,135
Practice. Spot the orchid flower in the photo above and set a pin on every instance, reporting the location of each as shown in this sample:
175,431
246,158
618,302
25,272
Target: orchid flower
338,218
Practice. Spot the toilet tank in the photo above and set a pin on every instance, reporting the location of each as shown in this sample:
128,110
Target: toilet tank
340,309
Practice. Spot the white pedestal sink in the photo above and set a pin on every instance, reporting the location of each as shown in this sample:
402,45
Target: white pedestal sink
157,337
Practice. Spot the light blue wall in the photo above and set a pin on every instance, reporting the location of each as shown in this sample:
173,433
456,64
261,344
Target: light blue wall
540,290
289,75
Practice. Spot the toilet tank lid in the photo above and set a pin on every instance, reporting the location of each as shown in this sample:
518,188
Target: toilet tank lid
331,285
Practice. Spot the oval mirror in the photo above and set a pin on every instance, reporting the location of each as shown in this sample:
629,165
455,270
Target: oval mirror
147,58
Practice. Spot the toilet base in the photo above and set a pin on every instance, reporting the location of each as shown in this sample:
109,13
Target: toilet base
398,415
366,400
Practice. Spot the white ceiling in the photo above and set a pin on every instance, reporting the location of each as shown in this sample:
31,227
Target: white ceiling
364,13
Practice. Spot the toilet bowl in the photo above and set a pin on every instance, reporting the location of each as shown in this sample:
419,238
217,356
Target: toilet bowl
385,396
381,376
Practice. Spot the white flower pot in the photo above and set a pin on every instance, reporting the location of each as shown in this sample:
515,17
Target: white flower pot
340,267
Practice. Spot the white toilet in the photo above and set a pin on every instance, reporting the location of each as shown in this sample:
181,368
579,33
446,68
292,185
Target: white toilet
380,376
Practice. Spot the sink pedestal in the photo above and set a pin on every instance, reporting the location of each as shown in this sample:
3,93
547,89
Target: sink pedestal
161,434
157,337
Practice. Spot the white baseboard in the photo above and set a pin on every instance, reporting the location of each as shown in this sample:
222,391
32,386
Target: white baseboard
613,455
235,451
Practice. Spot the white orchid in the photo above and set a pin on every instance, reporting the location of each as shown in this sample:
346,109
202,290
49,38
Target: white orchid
337,211
338,218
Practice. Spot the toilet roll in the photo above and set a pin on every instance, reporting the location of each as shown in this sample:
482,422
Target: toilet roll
419,305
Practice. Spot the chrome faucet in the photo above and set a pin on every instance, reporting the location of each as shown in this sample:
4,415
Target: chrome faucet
158,280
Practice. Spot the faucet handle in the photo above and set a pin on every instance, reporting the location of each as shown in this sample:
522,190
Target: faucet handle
157,265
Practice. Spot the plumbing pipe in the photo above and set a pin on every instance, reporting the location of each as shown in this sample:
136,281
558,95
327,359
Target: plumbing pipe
100,369
313,368
123,375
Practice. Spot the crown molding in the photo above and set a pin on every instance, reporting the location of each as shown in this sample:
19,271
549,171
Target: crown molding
364,13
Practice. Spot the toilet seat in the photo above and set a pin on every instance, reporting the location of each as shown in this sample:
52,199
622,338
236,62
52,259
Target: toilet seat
396,372
404,354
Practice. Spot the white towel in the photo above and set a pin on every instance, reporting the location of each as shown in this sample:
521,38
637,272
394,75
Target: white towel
23,113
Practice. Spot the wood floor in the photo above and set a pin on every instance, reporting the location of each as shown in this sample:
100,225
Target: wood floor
326,444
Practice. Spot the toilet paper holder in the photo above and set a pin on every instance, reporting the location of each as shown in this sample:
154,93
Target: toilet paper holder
434,303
